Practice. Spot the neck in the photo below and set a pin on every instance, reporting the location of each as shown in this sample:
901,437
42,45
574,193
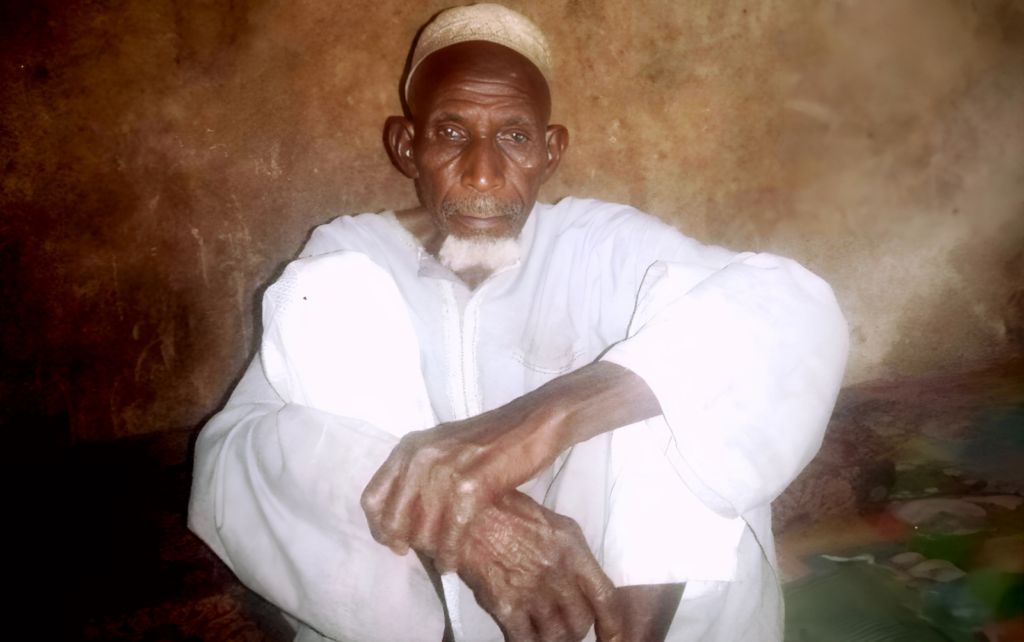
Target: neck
417,222
473,260
474,276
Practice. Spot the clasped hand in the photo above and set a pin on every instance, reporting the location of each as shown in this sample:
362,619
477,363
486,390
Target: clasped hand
448,493
531,569
436,482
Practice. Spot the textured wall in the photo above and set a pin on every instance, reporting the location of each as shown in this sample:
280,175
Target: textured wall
162,159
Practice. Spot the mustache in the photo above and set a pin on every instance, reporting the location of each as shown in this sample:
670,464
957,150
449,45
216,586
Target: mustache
487,206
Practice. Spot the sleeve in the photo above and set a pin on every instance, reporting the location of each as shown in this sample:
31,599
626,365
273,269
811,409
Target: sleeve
278,476
275,494
746,362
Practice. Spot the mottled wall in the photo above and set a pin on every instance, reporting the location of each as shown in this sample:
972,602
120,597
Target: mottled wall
161,160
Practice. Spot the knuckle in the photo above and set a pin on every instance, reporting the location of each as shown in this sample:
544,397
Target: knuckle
579,619
466,485
460,519
567,525
370,502
603,595
570,635
562,631
390,525
419,542
411,438
546,561
578,631
504,610
445,561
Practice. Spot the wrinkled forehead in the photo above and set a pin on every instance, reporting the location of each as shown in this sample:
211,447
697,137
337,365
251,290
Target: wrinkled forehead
480,67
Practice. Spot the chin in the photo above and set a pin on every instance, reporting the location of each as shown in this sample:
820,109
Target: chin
469,234
483,252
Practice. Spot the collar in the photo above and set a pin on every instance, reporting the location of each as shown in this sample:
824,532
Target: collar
431,268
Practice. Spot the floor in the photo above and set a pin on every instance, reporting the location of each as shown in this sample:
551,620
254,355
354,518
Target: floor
908,526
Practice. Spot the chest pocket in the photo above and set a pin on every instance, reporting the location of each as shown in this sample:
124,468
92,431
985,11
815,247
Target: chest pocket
549,355
555,322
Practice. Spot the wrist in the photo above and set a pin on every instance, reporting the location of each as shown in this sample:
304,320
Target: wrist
540,432
552,421
528,433
597,398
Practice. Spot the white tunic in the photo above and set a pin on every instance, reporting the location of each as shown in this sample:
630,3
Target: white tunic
744,352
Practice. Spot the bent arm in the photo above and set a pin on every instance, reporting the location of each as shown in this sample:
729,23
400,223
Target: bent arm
595,399
436,481
746,366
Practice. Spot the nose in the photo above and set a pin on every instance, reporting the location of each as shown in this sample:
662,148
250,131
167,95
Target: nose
483,169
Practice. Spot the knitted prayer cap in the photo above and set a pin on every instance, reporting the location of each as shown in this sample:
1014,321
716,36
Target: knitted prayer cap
490,22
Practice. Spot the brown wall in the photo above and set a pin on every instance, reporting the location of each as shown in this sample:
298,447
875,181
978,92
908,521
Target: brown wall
161,159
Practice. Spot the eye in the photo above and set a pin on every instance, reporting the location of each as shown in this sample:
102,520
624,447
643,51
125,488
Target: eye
450,133
517,137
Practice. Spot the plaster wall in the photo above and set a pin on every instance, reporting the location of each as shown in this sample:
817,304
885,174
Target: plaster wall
162,160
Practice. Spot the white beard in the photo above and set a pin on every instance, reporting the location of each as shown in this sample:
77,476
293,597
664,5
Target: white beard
491,255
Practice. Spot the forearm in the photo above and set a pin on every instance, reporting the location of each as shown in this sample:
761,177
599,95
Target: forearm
597,398
436,480
573,408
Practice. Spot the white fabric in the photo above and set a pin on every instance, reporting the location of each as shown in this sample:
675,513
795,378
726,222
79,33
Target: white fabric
745,353
337,338
314,332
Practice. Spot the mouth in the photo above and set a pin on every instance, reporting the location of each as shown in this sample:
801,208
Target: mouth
481,215
479,222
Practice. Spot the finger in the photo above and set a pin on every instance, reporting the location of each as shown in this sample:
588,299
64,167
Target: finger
387,494
434,530
600,592
570,605
515,625
461,511
414,508
397,516
377,489
550,625
426,526
576,614
375,497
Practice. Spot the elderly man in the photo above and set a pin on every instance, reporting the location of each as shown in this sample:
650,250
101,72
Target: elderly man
574,415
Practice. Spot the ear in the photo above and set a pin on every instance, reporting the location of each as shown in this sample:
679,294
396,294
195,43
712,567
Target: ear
398,137
557,141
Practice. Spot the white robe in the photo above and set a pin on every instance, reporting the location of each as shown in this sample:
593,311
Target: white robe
744,352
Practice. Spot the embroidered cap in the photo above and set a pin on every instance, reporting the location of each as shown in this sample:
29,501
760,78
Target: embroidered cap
490,22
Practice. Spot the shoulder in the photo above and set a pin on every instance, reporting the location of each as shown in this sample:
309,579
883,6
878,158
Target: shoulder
617,227
367,233
582,213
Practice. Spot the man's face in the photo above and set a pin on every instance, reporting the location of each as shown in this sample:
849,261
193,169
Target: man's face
480,149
